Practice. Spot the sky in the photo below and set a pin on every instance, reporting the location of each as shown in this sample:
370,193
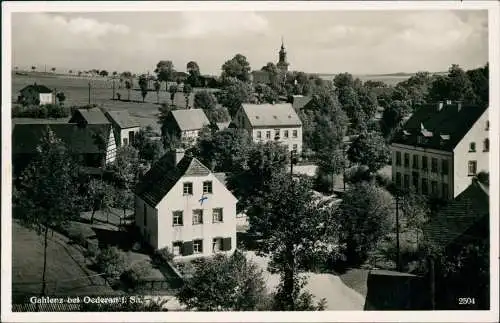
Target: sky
358,42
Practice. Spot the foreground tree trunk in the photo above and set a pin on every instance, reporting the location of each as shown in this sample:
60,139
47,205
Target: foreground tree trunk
44,283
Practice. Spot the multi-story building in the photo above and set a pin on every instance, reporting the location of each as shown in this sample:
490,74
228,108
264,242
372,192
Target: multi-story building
440,148
271,122
182,205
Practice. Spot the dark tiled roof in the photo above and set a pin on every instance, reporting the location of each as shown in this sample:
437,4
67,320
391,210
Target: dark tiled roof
300,101
160,179
37,88
467,210
79,140
91,116
450,122
122,119
190,119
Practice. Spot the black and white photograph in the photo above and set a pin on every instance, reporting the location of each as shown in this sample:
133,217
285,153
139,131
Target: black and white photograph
296,160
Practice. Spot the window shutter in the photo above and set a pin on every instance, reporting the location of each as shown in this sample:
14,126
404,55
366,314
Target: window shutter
226,244
187,248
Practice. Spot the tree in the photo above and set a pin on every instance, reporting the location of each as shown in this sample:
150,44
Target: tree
273,73
193,70
149,150
53,69
363,218
224,283
125,168
128,85
343,80
204,100
124,200
460,87
251,179
103,73
269,95
236,93
224,151
415,209
290,225
173,89
47,192
115,73
99,196
143,84
165,71
237,67
61,97
187,89
479,78
111,262
332,162
393,116
157,86
33,68
369,149
70,71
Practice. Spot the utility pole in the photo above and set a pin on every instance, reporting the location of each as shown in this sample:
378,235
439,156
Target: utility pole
398,262
55,96
89,93
113,87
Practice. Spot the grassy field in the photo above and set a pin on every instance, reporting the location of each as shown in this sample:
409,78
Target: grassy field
65,273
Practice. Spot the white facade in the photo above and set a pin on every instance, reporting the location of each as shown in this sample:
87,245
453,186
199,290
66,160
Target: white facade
442,173
290,136
478,138
111,148
161,230
46,98
127,135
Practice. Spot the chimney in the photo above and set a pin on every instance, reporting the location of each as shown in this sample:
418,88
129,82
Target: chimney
440,105
178,155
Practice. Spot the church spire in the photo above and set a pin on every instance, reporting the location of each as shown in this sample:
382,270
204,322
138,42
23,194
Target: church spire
282,43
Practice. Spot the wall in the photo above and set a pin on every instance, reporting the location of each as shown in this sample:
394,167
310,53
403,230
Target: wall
289,142
477,134
46,98
124,134
430,176
152,221
175,200
111,148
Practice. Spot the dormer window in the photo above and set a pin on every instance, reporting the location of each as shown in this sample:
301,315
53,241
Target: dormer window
472,147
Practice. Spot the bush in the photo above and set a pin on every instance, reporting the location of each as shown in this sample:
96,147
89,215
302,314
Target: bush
135,274
323,182
111,262
40,112
92,251
78,237
162,256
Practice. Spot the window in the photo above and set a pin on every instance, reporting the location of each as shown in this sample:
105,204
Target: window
294,133
434,165
444,167
176,248
217,244
125,141
188,189
424,162
398,179
425,188
407,160
472,147
285,134
207,187
198,246
276,134
217,216
197,216
486,145
398,158
415,180
177,218
145,214
406,181
268,134
294,147
444,190
487,125
434,188
259,134
415,162
472,167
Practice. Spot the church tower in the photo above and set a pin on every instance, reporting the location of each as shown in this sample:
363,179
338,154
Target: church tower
282,63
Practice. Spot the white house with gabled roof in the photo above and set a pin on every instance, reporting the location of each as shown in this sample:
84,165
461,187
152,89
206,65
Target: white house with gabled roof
271,122
182,205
